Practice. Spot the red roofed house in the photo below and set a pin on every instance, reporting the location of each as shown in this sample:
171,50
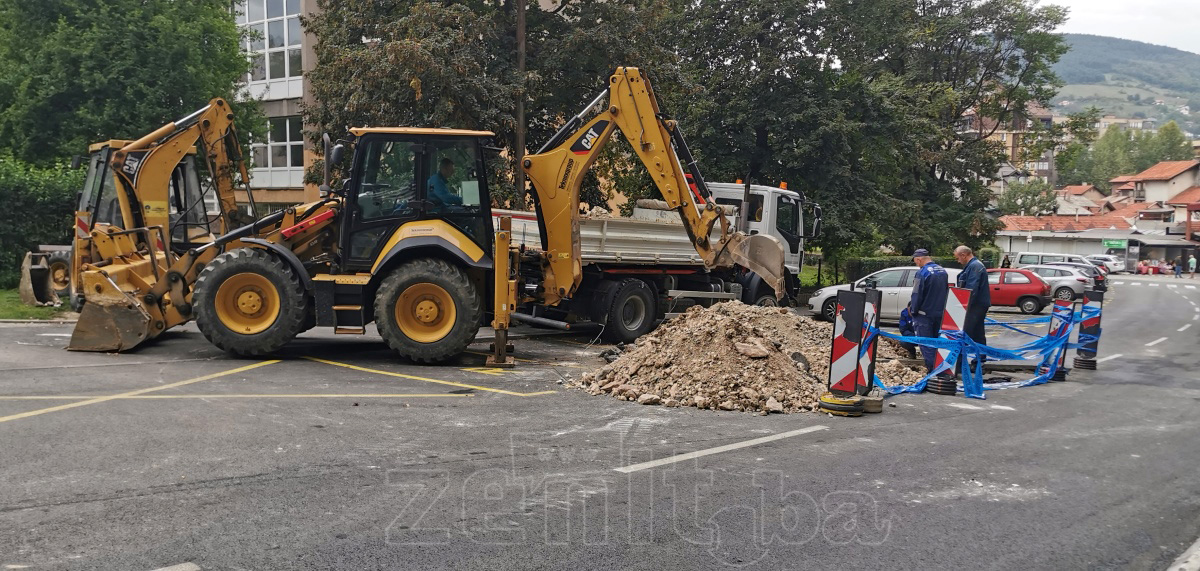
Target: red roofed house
1164,180
1122,185
1088,191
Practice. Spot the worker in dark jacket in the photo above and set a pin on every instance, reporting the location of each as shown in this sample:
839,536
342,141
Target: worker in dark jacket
928,301
974,277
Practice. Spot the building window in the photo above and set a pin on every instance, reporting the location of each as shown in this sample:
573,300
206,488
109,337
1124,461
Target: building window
275,38
284,147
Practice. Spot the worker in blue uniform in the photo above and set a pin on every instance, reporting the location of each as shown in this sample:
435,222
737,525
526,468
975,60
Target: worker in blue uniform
928,301
974,277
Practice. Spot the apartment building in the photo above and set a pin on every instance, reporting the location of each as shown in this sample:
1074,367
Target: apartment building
281,53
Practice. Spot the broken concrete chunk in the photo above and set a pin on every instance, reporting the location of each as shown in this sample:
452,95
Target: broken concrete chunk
649,399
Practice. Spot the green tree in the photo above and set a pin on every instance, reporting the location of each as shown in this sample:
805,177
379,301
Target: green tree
1110,157
1033,198
74,73
44,197
1170,144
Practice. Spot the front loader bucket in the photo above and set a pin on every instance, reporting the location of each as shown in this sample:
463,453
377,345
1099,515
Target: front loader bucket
110,323
760,254
36,287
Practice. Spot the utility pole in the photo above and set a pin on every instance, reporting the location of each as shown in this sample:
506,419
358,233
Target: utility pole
519,174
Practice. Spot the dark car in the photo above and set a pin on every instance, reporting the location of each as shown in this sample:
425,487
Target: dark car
1018,288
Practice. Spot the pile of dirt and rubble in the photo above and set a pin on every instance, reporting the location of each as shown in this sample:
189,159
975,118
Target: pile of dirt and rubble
730,356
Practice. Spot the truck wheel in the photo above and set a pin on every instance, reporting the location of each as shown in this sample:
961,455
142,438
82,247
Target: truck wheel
1064,293
428,310
1029,305
631,313
60,272
249,302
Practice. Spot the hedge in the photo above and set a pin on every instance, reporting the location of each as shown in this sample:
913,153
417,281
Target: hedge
38,203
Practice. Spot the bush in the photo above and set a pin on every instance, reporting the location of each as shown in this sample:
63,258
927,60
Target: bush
40,203
856,268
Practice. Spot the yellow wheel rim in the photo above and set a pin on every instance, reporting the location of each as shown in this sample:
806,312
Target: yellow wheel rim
60,275
247,303
425,312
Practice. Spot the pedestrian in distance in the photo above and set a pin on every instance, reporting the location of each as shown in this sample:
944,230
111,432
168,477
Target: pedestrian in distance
1006,263
974,277
928,302
1178,265
1192,265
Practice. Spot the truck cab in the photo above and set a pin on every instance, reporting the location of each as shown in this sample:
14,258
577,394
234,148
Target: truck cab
773,211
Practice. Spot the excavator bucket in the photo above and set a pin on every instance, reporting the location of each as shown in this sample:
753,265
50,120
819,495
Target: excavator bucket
36,286
760,254
110,321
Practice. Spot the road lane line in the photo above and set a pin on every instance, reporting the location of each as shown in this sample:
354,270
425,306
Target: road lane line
137,392
1156,341
1135,283
1110,357
1118,283
425,379
1184,328
1190,287
1172,286
718,449
1152,285
246,396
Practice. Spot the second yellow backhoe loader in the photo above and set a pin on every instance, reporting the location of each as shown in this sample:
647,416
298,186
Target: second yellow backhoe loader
408,243
143,229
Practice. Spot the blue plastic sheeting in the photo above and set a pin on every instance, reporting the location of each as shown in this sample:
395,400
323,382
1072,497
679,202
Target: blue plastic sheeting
1048,349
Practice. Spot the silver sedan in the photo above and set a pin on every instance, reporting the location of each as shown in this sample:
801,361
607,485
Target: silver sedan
1065,283
895,283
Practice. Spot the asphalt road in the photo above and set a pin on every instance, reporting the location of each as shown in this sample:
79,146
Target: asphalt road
339,456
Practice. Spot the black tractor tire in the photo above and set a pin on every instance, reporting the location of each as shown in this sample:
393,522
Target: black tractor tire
456,288
275,283
632,312
1064,293
829,309
1029,305
60,272
77,301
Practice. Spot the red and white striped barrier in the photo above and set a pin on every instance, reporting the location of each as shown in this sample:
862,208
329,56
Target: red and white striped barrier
953,318
866,360
847,336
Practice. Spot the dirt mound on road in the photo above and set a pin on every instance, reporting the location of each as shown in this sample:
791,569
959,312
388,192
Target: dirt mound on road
731,356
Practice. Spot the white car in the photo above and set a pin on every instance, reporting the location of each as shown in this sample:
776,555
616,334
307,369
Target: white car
895,283
1113,263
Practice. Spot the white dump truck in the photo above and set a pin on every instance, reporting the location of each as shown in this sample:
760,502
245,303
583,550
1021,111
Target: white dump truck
644,268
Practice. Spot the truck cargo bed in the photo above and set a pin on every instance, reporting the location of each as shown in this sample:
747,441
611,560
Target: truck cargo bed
617,240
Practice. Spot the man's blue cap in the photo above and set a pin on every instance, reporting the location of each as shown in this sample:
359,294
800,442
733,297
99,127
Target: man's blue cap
920,253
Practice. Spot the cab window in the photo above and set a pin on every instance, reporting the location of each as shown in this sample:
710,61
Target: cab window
108,206
454,191
1028,259
787,215
388,186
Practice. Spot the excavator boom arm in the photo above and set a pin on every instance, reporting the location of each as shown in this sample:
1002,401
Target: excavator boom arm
557,170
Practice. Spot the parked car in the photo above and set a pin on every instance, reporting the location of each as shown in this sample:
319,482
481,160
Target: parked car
1114,264
1099,279
1018,288
1065,283
895,283
1038,258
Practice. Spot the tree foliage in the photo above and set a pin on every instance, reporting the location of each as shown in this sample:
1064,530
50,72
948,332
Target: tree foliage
860,105
1120,152
44,197
73,73
1033,198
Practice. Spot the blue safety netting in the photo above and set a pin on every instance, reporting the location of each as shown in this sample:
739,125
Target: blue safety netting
1048,350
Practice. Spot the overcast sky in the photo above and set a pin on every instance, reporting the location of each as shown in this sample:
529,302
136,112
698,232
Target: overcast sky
1163,22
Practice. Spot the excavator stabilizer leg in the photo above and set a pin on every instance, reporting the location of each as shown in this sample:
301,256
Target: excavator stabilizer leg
760,254
110,322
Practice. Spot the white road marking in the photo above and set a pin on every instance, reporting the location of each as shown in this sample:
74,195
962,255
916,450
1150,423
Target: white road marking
1172,286
1109,358
1184,328
718,449
1135,283
54,334
1152,285
964,405
1189,560
1156,341
1190,287
1118,283
1196,317
1002,407
180,567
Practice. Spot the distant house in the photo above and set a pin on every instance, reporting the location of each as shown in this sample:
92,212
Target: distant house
1163,181
1086,191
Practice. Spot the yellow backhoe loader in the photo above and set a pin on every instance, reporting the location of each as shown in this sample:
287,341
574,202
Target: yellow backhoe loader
408,241
143,229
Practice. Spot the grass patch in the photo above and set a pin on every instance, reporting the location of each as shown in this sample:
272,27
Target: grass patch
12,308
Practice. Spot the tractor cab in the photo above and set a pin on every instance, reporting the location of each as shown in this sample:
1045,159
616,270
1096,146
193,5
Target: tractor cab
405,175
